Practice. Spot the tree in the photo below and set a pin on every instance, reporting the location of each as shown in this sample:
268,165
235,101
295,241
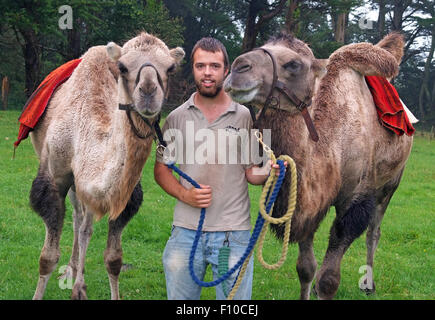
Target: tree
339,12
34,25
291,18
259,13
216,18
426,100
30,20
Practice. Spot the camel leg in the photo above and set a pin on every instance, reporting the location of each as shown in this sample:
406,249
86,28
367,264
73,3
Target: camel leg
383,198
306,267
49,203
113,252
71,270
84,236
348,225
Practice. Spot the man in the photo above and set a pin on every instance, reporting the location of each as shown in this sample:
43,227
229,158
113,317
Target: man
224,188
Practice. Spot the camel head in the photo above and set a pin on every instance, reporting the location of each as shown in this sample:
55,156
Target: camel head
251,75
145,63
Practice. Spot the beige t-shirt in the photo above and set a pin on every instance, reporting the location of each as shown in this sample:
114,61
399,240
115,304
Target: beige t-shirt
215,154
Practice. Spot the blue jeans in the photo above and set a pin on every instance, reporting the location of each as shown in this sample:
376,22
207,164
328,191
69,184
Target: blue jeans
179,283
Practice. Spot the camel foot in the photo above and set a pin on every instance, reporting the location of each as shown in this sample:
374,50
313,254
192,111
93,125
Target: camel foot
79,292
368,289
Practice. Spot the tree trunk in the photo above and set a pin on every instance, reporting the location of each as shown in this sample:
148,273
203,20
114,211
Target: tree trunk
252,27
399,8
31,53
432,108
5,92
381,19
292,24
340,27
424,89
74,48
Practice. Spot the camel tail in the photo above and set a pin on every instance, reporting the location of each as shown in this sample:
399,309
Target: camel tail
394,44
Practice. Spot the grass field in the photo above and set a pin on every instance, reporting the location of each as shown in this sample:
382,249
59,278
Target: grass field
404,263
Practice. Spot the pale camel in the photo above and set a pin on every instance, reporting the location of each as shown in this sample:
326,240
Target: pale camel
356,165
89,149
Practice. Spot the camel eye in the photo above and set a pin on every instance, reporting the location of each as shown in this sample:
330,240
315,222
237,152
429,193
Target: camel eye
171,69
122,68
293,66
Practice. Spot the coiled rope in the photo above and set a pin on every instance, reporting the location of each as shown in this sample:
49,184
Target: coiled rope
272,183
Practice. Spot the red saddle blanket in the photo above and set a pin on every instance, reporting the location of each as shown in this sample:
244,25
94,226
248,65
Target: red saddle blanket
36,104
389,107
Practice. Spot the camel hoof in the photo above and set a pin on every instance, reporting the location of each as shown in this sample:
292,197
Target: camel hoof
368,290
79,292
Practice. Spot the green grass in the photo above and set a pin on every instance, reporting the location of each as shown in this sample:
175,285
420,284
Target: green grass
404,263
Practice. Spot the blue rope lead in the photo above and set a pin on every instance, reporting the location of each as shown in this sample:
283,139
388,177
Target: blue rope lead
252,241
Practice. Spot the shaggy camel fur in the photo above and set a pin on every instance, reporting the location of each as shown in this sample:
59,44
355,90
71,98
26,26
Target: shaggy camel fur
355,166
88,150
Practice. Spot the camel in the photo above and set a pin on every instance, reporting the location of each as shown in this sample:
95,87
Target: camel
94,152
355,165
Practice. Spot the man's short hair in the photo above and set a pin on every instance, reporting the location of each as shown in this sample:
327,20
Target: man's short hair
211,45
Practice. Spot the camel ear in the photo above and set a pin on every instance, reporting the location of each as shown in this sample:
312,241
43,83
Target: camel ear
114,51
177,54
319,67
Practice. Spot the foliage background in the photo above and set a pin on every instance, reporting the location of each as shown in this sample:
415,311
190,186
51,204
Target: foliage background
32,44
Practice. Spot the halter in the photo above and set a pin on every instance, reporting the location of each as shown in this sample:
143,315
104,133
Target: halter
274,102
130,107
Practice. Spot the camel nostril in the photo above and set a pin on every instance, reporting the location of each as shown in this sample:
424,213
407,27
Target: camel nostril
243,68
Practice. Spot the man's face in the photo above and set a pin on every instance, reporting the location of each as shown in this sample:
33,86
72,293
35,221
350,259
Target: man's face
209,72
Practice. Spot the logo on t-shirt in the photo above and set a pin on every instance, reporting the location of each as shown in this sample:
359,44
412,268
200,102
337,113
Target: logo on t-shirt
232,130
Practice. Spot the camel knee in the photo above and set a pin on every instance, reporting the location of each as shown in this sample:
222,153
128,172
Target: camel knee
48,262
113,262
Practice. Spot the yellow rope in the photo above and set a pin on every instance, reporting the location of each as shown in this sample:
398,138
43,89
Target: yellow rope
270,184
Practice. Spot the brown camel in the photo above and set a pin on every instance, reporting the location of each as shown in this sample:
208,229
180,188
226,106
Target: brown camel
356,164
91,150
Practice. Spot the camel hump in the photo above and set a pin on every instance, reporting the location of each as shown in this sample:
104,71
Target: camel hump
394,44
368,59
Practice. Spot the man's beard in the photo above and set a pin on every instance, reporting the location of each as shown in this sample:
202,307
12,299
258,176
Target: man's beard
206,93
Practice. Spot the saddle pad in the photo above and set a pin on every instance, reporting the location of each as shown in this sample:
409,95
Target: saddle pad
38,101
389,107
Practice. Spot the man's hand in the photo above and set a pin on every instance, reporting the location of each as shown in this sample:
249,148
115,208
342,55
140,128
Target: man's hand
198,198
258,175
276,166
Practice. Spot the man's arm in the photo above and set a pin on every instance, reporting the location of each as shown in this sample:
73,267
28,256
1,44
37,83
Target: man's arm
199,198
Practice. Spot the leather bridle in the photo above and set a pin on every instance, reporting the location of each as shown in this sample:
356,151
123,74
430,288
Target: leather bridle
274,102
155,128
